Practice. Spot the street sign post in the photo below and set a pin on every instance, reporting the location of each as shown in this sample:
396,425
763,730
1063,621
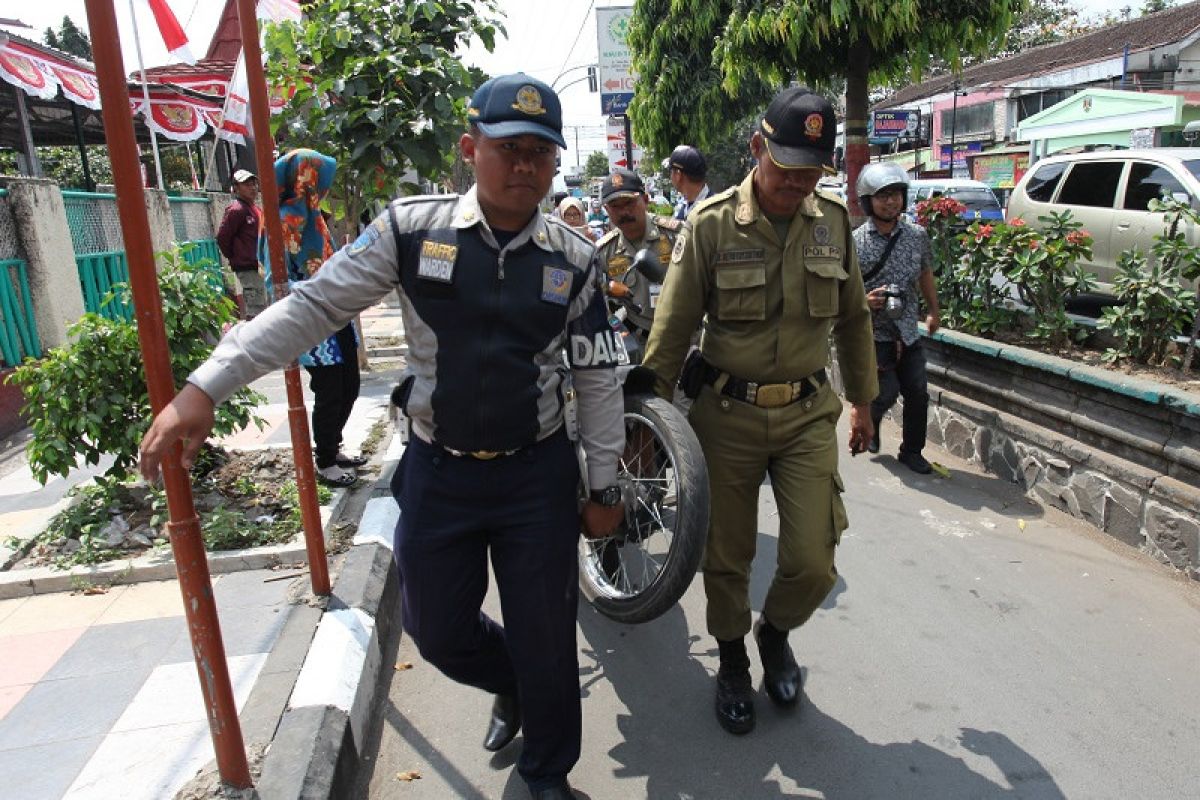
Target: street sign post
616,77
617,146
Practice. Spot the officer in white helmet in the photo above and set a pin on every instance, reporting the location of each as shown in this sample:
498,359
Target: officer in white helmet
896,262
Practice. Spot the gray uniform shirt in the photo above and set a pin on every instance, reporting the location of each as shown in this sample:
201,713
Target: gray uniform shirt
362,273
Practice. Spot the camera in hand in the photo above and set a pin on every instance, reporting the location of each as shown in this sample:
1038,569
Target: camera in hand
894,306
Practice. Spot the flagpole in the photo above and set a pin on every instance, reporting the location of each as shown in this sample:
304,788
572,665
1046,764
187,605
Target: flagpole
147,114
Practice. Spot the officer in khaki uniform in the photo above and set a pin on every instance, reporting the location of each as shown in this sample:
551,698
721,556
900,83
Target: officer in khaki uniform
769,267
624,197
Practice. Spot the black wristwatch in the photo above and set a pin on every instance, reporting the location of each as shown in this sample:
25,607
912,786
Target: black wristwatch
609,496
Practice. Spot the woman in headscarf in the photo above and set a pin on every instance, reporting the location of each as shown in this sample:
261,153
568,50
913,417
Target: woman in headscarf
571,211
304,178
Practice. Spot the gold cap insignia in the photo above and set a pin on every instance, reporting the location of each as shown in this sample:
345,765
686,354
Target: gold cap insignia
472,112
617,181
813,124
529,100
768,127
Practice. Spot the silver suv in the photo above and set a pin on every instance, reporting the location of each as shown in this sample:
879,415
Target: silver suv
1110,192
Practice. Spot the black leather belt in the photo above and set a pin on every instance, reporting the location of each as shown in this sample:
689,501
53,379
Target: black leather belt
768,395
480,455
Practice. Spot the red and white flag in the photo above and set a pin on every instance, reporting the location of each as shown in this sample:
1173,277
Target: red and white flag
235,118
172,32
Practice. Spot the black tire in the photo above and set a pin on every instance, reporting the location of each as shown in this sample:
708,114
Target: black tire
640,573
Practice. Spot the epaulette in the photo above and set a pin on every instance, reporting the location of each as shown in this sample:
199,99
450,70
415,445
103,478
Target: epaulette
713,199
608,237
668,223
831,197
426,198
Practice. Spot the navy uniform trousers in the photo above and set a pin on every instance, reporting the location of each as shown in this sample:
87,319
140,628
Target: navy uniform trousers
522,509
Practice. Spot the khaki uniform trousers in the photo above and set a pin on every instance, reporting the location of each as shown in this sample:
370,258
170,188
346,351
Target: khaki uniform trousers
795,445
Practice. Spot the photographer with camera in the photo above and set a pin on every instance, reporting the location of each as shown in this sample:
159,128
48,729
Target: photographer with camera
896,260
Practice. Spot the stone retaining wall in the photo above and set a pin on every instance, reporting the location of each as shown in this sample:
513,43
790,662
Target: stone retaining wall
1119,453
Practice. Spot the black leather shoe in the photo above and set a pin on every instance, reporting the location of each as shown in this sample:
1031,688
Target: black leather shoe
873,445
781,673
916,462
560,792
505,722
735,701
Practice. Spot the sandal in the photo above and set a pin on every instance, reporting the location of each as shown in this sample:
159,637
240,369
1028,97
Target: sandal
343,460
336,476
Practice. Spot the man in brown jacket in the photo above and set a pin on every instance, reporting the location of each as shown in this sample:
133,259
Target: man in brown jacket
238,241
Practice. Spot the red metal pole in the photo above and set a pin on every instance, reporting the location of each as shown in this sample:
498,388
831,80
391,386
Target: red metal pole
184,526
260,116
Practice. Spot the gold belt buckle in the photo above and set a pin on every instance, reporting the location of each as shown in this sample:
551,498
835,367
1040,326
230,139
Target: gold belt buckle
484,455
773,395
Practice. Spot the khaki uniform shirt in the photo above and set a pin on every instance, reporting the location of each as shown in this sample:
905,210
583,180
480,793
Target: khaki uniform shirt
768,306
616,257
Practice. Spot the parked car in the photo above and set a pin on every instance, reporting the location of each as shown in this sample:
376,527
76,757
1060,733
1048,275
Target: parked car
977,196
1109,192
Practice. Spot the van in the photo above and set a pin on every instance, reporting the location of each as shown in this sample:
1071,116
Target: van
1110,192
977,196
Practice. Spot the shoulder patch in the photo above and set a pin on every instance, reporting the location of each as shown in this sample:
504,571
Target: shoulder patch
712,200
668,223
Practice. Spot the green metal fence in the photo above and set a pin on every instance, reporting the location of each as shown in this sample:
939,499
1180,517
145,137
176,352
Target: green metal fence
98,273
204,253
18,329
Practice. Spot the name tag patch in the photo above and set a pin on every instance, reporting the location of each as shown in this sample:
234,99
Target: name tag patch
604,349
822,251
556,285
437,261
749,256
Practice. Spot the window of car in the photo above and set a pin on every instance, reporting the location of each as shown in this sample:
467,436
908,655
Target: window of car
1044,181
1092,183
1148,182
1193,166
974,199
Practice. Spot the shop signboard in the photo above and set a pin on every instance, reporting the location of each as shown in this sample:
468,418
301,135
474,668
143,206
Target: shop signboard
961,151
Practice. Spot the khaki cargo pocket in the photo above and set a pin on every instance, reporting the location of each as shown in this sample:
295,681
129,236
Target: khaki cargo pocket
824,277
742,292
840,520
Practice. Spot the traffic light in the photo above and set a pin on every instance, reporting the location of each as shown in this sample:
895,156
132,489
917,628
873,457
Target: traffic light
593,80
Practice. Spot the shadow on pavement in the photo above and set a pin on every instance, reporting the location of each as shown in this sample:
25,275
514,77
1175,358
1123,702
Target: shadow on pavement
669,736
970,491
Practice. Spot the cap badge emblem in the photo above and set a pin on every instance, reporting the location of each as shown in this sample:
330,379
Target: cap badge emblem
813,124
617,180
768,127
472,112
529,101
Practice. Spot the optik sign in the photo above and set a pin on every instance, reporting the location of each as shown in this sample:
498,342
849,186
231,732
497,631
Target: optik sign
616,78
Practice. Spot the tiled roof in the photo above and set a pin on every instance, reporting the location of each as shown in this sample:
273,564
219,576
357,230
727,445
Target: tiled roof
203,68
1151,30
226,42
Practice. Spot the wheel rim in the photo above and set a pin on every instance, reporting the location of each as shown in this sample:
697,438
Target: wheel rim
623,567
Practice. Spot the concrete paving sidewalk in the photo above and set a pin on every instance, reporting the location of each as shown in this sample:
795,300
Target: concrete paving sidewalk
99,694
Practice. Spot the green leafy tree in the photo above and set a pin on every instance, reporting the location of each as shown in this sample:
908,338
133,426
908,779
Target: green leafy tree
70,39
380,86
760,44
596,166
89,398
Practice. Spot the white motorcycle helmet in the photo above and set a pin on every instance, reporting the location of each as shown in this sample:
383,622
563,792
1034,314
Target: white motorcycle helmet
880,175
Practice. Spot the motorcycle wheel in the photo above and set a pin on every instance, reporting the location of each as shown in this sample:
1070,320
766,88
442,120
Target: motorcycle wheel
641,572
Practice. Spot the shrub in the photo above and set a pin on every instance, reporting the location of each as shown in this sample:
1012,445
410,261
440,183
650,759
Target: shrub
89,398
1155,307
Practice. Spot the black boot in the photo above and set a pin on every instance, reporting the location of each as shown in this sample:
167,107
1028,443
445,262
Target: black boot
873,445
781,673
735,693
505,722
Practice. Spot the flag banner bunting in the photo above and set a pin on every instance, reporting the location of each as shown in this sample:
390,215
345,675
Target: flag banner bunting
40,74
173,35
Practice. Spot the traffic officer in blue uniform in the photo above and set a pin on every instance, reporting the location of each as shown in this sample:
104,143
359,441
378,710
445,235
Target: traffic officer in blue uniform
491,293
